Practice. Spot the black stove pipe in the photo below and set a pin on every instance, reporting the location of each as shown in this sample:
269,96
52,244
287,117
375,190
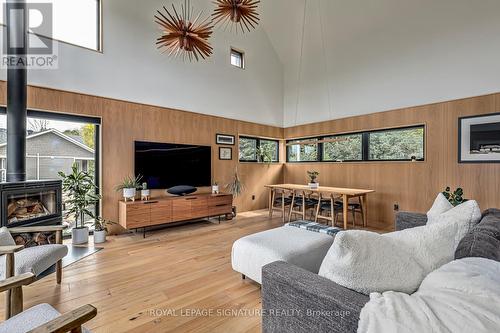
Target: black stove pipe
17,41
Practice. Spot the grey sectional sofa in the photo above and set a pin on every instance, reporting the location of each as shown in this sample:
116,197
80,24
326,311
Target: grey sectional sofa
296,300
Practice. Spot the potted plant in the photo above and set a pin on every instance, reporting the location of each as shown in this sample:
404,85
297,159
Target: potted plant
81,194
456,197
215,187
313,175
101,229
145,192
129,187
235,187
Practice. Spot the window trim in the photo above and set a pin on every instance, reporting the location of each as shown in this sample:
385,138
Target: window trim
257,144
365,145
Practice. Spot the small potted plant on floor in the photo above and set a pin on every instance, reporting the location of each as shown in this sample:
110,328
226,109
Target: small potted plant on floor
81,194
313,175
101,229
129,187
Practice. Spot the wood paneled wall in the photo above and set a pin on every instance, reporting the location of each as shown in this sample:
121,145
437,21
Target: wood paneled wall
413,185
124,122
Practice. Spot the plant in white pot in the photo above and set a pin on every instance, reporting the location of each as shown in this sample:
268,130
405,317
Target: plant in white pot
101,229
145,192
313,175
129,187
81,194
215,187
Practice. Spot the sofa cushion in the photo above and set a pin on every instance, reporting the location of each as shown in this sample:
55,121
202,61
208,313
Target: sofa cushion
483,240
368,262
303,248
441,205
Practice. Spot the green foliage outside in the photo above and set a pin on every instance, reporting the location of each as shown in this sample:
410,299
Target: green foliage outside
248,149
88,135
303,153
347,148
397,144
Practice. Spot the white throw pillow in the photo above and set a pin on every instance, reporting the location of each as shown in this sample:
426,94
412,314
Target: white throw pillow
367,262
6,238
441,205
467,214
432,245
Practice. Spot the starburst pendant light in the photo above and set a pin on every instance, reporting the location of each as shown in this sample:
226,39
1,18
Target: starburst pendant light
240,13
182,36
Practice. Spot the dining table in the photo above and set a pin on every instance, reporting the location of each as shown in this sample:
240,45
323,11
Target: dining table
344,193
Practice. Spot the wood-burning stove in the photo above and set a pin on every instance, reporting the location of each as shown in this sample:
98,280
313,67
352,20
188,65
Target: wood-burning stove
31,203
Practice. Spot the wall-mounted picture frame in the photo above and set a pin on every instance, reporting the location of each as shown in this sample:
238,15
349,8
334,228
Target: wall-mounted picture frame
225,139
225,153
479,139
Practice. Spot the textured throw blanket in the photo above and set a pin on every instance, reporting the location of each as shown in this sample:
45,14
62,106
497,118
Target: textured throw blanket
316,227
461,296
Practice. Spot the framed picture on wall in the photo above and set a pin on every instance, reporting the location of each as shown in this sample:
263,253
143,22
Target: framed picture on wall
479,139
225,153
224,139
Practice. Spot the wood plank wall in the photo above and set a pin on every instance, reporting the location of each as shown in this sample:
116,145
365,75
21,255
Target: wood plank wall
413,185
124,122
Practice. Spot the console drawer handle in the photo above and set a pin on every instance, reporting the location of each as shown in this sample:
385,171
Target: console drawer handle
221,205
149,202
191,198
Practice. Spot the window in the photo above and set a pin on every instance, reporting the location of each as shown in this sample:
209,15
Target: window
396,145
54,143
305,150
400,144
237,58
76,22
343,148
258,150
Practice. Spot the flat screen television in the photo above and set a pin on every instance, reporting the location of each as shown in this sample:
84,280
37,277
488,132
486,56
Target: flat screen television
164,165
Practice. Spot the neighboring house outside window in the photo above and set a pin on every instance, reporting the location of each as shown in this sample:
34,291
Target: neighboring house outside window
49,152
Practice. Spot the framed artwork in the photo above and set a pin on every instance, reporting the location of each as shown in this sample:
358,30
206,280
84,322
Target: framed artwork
223,139
479,139
225,153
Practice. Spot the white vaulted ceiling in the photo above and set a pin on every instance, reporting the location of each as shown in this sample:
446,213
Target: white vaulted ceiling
358,57
365,56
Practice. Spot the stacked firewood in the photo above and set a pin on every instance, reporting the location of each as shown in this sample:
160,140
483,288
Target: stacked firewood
35,238
25,209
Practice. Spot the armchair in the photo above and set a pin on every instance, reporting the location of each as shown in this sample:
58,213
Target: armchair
35,259
43,317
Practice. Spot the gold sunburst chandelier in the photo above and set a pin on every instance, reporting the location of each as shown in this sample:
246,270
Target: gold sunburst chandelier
183,36
241,13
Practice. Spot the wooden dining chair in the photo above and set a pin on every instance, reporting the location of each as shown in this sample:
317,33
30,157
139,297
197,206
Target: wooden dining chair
281,199
354,208
303,201
328,204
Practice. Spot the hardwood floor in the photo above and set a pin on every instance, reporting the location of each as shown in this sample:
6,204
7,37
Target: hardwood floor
176,280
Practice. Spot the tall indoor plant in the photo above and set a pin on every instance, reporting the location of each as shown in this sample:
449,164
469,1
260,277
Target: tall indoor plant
81,194
235,187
